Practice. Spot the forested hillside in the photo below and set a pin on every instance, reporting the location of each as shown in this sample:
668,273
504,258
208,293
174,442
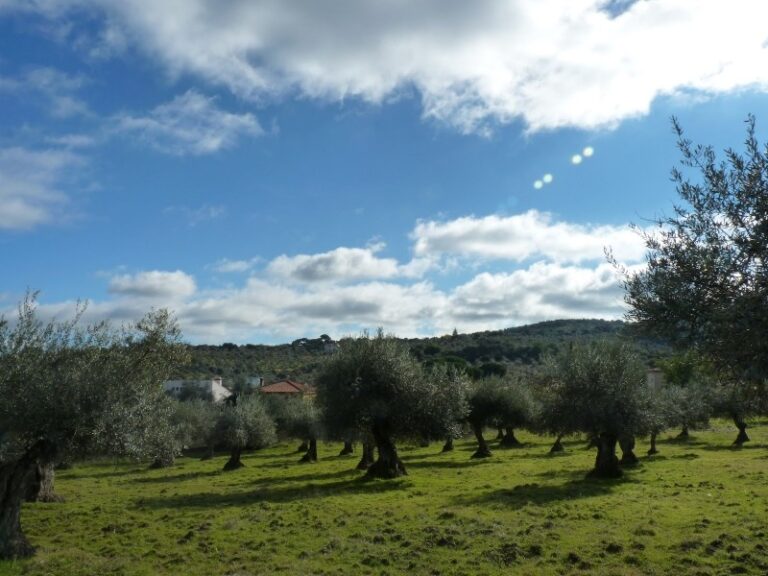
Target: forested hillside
480,353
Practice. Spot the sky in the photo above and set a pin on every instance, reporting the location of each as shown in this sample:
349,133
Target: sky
272,169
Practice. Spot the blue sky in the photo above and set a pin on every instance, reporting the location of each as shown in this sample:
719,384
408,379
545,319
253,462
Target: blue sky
272,170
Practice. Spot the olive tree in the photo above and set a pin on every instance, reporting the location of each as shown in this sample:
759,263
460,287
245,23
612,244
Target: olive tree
243,424
67,391
373,386
705,283
599,389
502,402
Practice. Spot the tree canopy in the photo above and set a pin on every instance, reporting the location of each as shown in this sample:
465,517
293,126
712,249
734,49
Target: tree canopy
68,390
706,282
374,386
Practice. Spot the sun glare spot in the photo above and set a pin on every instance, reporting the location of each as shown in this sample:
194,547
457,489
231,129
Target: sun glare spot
576,159
548,178
538,184
588,151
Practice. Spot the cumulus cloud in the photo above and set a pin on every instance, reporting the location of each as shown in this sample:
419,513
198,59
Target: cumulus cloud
542,291
521,237
344,264
154,284
262,308
551,63
190,124
30,186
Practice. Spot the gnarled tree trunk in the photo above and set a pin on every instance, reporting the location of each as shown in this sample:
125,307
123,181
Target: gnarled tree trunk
303,447
652,450
509,440
742,426
448,446
558,445
311,454
210,452
388,465
606,462
41,489
165,461
684,434
366,460
349,448
234,460
15,479
482,446
628,457
500,434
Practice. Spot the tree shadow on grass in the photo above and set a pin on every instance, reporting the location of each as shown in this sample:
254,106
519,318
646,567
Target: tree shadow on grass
274,495
541,495
350,474
731,447
450,464
173,478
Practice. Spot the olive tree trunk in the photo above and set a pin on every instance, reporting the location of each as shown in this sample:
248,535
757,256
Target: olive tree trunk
366,460
388,465
349,448
303,447
41,489
162,462
742,426
448,446
606,462
311,454
628,457
500,434
509,440
652,450
482,446
684,434
558,445
210,452
234,460
15,479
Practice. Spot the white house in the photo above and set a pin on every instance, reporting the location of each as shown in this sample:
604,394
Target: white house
213,387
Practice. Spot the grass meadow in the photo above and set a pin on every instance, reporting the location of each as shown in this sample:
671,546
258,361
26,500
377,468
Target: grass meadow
697,508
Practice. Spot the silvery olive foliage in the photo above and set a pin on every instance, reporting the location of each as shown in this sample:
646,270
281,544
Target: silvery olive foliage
84,388
596,388
375,382
705,284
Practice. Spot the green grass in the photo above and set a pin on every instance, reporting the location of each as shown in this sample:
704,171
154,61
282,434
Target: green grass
697,508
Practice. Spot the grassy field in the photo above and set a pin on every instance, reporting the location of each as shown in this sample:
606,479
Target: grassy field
697,508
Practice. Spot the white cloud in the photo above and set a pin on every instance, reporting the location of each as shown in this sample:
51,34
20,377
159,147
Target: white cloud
30,186
521,237
552,63
58,89
344,264
227,266
541,292
262,308
190,124
154,284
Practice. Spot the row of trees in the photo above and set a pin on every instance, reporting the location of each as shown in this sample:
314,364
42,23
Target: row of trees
375,393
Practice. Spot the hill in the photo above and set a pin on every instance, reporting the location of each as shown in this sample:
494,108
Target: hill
480,353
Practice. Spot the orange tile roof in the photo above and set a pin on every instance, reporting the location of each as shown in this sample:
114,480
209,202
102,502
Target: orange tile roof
286,387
